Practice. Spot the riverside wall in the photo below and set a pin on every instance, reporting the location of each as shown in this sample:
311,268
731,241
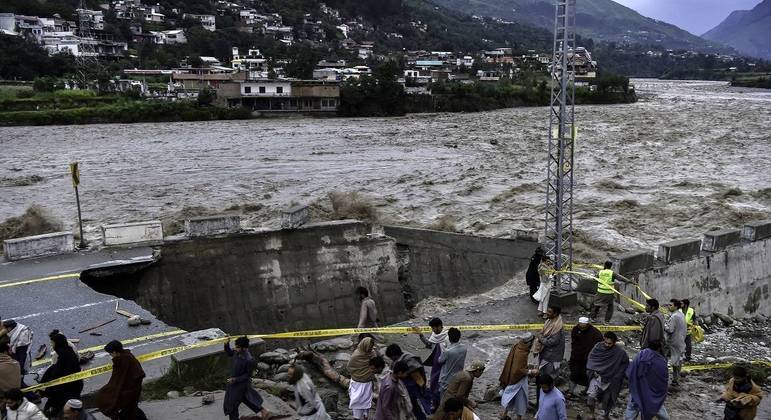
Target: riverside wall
732,278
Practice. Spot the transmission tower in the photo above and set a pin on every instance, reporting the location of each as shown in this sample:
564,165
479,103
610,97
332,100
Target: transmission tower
560,165
87,60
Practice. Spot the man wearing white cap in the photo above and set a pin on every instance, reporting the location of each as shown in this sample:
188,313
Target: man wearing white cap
583,337
73,410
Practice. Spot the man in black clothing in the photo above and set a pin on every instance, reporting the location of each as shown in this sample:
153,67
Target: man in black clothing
532,278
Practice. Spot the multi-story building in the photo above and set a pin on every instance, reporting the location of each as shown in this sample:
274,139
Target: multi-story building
209,22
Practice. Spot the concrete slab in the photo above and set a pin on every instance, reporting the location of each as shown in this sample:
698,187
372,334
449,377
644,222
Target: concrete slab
756,231
680,250
38,245
132,233
212,225
721,239
294,217
632,262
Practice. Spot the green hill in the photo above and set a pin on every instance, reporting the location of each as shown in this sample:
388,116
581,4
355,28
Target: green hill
748,31
603,20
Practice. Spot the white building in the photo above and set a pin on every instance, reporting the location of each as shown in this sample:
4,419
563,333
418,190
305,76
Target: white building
209,22
91,19
273,88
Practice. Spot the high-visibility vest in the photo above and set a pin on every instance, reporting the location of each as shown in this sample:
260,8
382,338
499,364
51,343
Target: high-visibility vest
605,286
689,316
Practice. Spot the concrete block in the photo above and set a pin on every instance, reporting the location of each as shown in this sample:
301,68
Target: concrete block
132,233
564,300
756,231
680,250
39,245
212,225
529,235
294,217
721,239
632,262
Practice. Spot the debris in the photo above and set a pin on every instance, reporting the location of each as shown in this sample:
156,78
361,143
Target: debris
86,357
134,321
41,352
172,394
97,326
145,321
125,313
494,142
207,399
95,334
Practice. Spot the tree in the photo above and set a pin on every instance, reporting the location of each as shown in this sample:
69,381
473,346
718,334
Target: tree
206,96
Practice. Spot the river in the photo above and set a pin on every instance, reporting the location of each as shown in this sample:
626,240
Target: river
688,157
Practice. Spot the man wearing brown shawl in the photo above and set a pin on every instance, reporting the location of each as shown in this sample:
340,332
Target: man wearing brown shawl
513,379
583,337
360,388
607,369
119,399
460,387
741,396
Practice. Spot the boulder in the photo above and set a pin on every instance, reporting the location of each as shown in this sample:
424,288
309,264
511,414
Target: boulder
281,377
283,368
263,367
330,399
207,399
172,394
274,358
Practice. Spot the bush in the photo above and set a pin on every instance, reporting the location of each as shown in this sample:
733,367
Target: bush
74,94
25,94
350,205
44,84
206,96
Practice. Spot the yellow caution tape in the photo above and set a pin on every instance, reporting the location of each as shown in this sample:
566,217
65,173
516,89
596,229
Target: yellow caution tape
304,334
49,278
125,342
695,368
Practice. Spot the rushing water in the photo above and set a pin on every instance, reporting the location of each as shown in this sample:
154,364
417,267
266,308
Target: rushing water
688,157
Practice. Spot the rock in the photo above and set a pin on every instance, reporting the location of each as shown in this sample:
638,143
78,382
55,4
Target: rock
330,399
731,359
279,389
263,367
283,368
134,321
282,351
188,390
172,394
710,360
473,335
281,377
725,319
492,393
207,399
274,358
342,356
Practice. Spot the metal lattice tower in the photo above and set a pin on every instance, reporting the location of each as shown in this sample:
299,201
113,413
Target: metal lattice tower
87,61
560,181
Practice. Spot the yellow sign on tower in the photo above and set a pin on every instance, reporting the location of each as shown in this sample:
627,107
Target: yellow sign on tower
75,171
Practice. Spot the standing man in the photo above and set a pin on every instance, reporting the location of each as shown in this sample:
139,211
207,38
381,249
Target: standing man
689,313
550,344
119,399
367,312
513,379
10,372
437,341
239,386
676,331
460,387
394,402
362,378
552,402
607,367
648,383
653,330
532,278
583,337
415,382
452,360
19,340
605,297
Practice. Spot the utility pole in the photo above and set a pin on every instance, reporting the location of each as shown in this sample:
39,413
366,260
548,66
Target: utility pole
560,164
75,172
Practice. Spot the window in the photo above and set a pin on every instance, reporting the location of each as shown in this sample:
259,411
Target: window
279,89
324,103
247,89
262,89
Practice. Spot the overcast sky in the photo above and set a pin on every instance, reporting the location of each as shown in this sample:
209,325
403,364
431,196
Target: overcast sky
695,16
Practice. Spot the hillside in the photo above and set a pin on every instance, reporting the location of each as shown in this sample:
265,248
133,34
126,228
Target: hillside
603,20
748,31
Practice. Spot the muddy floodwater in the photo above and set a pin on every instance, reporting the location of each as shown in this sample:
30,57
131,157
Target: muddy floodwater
688,157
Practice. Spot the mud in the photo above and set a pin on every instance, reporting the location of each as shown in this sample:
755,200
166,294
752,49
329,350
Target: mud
686,158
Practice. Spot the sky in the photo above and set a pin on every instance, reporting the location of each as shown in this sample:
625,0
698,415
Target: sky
695,16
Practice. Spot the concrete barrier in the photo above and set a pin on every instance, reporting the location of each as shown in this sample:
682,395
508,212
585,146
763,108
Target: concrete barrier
39,245
132,233
756,231
721,239
680,250
632,262
294,217
212,225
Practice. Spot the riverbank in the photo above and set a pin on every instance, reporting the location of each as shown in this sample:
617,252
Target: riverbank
760,82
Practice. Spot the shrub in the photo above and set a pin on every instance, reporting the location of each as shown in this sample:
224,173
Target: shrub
351,205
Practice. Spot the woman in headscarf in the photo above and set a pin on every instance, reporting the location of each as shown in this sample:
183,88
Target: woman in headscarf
362,377
514,378
308,402
544,291
67,363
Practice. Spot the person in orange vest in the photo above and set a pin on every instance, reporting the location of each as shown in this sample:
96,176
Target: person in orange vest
605,291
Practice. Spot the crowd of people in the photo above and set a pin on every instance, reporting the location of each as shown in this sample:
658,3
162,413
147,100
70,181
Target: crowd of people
399,385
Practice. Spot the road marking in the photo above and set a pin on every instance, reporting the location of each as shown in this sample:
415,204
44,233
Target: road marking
42,279
71,308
